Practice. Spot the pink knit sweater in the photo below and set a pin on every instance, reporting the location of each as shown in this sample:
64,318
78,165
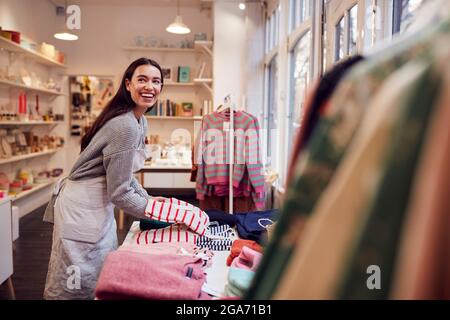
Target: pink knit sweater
213,169
131,275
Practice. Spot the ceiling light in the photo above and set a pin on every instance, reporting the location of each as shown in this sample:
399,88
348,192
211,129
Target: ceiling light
242,6
178,26
65,34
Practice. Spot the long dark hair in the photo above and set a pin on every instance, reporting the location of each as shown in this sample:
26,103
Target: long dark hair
121,103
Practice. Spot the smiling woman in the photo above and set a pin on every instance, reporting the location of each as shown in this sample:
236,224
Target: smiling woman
82,205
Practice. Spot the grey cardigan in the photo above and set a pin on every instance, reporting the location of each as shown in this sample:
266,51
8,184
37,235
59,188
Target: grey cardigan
110,153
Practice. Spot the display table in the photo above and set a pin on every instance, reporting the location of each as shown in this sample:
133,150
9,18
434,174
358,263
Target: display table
216,274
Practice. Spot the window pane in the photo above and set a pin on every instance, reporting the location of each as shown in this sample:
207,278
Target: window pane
291,15
302,10
339,53
353,30
404,11
300,59
272,107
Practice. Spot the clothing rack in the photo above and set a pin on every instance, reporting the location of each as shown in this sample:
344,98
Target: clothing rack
229,105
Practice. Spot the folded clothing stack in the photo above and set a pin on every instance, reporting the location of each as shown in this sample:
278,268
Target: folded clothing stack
217,238
237,248
253,225
131,275
177,211
239,281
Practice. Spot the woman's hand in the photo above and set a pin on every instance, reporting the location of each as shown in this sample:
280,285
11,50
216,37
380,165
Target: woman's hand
160,199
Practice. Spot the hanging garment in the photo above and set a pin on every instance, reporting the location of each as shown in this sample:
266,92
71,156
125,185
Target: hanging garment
222,203
316,102
328,145
421,268
334,226
217,238
213,171
253,225
130,275
176,211
388,206
237,248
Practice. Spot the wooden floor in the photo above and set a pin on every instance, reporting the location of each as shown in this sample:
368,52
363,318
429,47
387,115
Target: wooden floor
32,253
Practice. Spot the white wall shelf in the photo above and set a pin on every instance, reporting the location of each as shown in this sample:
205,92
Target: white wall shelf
180,84
27,156
26,193
12,84
29,123
155,49
11,46
173,118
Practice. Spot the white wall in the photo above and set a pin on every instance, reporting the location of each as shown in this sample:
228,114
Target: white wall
229,52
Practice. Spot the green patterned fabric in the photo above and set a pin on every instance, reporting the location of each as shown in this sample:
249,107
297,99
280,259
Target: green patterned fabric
379,236
328,145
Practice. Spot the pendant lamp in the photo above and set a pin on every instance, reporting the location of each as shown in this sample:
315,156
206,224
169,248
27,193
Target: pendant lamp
178,26
65,34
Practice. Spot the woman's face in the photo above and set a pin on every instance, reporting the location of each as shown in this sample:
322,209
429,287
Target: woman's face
145,85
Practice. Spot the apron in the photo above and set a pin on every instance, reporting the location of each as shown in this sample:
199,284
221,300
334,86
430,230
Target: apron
84,233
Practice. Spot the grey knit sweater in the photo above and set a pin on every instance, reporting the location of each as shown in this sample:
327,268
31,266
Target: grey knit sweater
110,153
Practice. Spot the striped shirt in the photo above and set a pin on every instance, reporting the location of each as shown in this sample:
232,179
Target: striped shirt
213,169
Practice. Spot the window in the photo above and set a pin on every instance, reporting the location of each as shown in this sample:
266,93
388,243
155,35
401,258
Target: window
340,40
353,30
300,12
272,30
272,70
300,75
404,11
347,34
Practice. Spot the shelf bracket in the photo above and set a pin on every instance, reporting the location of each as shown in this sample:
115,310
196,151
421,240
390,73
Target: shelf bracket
209,88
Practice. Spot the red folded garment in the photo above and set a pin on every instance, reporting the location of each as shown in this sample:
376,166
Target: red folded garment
130,275
237,248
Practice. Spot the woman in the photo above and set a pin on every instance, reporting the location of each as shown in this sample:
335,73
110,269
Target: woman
82,207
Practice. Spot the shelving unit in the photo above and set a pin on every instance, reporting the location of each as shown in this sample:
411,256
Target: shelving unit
29,123
13,47
180,84
27,156
31,60
12,84
207,83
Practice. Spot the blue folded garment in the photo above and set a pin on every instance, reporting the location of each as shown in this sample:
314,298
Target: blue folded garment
222,217
252,225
